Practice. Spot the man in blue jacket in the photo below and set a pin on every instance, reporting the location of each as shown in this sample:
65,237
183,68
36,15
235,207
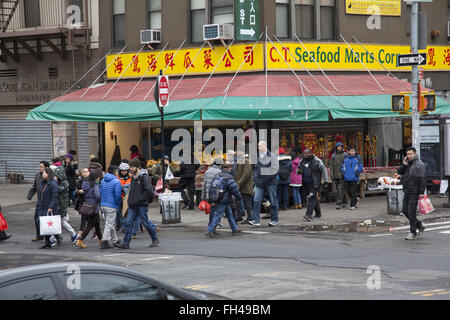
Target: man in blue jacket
111,193
351,169
230,188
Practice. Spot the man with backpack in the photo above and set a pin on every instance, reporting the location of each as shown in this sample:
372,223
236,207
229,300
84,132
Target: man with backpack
140,195
208,178
284,179
312,170
221,189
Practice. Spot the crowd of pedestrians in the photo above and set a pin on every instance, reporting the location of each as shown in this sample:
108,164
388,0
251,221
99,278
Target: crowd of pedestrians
97,197
237,190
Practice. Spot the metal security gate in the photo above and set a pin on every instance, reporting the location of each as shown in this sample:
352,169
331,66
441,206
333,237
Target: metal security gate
83,151
23,143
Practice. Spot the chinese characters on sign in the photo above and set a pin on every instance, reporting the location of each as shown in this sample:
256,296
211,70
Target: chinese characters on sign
329,56
178,64
247,19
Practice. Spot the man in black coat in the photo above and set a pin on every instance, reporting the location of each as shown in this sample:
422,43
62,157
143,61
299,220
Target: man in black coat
187,173
140,195
32,192
70,166
414,184
312,170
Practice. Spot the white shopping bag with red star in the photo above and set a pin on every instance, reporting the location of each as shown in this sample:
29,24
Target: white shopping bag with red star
50,225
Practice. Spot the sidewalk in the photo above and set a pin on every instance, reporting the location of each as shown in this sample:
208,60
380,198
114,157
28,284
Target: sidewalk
15,194
371,208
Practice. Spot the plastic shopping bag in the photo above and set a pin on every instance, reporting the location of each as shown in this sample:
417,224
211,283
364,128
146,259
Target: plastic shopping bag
205,206
50,225
425,205
3,224
169,174
159,185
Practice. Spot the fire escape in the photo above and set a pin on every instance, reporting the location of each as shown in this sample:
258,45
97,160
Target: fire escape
7,9
32,39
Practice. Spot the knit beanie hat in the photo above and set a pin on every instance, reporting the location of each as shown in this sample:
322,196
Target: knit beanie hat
135,163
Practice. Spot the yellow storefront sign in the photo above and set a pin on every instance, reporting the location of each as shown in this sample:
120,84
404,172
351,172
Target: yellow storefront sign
329,56
367,7
190,60
339,57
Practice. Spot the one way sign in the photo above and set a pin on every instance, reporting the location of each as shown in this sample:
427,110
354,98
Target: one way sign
405,60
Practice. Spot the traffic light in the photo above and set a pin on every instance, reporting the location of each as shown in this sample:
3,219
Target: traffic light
428,103
400,103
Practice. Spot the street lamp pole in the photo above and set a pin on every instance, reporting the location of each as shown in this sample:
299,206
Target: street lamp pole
415,77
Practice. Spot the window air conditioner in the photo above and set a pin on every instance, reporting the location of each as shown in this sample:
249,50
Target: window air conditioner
218,32
150,36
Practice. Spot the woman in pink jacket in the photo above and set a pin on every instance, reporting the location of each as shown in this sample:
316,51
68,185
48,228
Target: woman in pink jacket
296,182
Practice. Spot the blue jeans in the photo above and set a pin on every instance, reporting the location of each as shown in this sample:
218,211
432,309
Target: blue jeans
218,212
283,195
133,215
136,226
259,196
296,195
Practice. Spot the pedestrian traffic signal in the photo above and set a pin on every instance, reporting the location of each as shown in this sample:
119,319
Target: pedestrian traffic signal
428,103
400,103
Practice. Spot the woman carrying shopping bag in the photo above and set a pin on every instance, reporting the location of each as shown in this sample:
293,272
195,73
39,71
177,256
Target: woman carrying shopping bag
47,203
91,207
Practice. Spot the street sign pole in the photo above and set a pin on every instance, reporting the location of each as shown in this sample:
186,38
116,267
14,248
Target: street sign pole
161,111
415,77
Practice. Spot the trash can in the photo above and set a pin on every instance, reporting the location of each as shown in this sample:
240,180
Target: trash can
394,197
171,207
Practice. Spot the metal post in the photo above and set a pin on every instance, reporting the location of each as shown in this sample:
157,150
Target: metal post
161,111
415,78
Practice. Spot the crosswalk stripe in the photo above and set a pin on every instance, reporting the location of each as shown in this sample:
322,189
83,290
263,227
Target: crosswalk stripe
437,228
110,255
249,232
446,232
157,258
425,224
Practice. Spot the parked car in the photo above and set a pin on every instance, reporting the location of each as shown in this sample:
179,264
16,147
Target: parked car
88,281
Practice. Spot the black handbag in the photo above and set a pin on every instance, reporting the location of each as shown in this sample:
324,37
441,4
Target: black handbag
87,209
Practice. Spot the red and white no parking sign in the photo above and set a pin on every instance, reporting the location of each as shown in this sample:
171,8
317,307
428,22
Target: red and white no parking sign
163,86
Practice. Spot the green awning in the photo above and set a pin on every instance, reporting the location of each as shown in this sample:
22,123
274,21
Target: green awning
292,108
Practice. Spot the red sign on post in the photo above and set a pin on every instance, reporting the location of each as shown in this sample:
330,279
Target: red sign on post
163,86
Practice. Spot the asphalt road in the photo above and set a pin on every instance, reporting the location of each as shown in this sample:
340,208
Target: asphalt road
297,265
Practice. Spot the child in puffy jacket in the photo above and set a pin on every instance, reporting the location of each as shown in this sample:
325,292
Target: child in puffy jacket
352,168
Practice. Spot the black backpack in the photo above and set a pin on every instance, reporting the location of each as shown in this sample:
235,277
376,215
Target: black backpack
284,172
